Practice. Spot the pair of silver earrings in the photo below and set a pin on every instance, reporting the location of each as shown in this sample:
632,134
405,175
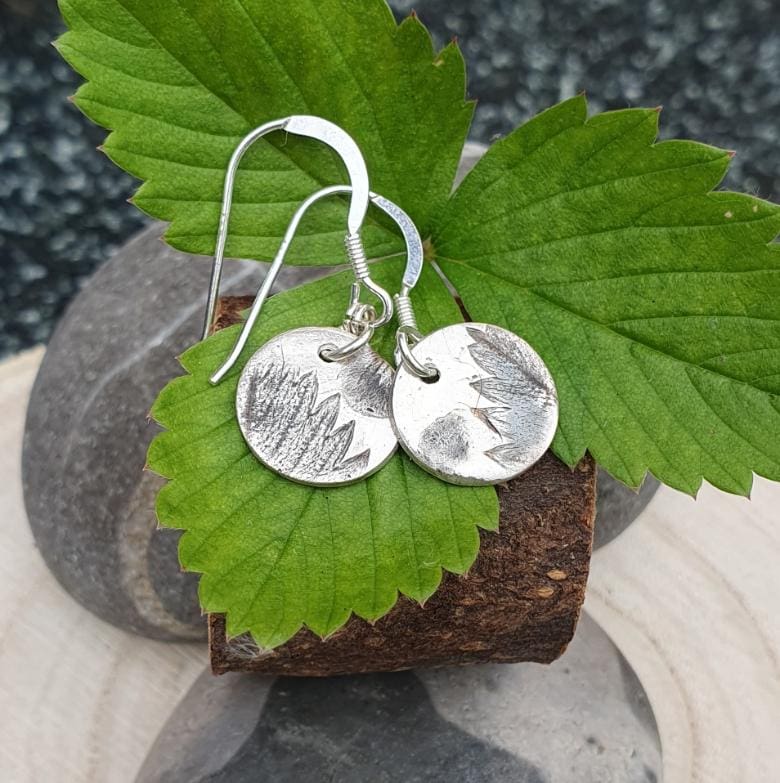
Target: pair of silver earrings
471,403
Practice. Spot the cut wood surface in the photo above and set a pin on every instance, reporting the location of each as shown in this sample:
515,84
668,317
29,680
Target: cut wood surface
81,700
689,594
519,602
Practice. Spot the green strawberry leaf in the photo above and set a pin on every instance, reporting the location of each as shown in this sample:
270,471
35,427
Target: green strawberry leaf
654,301
276,555
181,82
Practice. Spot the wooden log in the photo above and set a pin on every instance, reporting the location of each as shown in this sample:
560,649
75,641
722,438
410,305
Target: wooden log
520,601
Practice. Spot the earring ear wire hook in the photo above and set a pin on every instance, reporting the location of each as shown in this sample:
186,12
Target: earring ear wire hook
414,251
301,125
407,334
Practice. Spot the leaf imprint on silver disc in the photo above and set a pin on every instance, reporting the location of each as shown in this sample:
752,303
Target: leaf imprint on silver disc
299,431
490,414
317,422
515,378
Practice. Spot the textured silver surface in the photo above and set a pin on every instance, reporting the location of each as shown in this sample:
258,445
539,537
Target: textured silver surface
490,415
313,421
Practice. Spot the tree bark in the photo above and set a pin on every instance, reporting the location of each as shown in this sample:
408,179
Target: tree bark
519,602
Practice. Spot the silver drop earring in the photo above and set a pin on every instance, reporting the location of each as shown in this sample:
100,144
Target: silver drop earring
313,403
472,403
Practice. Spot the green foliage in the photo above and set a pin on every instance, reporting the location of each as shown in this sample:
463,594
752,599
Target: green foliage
654,300
275,554
180,82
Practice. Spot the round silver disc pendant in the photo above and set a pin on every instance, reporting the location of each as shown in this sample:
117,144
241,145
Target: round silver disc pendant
313,421
491,413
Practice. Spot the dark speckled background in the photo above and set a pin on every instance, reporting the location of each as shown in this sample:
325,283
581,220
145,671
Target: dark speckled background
714,66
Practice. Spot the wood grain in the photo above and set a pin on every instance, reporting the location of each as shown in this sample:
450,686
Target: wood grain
689,593
81,699
519,602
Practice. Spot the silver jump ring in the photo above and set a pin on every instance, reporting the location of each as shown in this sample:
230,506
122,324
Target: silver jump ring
414,365
333,353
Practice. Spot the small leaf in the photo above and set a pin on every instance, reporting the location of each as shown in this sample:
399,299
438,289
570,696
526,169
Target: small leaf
276,555
511,379
654,301
182,82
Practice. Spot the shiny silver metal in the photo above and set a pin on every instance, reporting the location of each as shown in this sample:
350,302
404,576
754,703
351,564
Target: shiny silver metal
301,125
315,421
490,412
407,335
313,404
414,254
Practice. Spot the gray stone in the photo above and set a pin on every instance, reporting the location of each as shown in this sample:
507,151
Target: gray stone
584,719
617,506
89,501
